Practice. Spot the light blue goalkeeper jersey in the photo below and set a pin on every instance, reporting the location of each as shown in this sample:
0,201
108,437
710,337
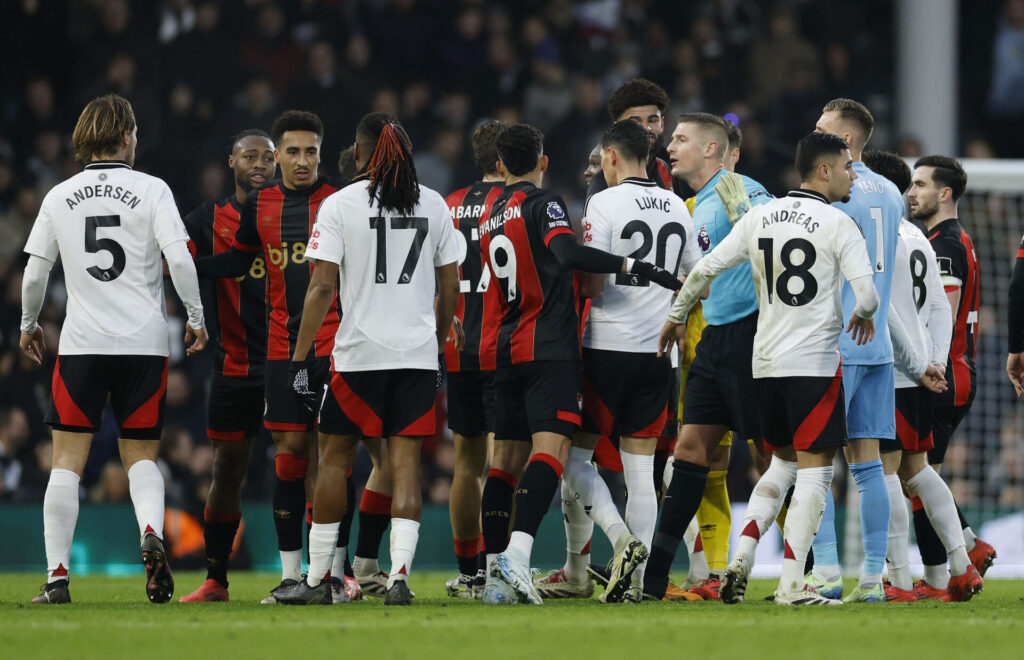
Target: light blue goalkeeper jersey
877,206
733,296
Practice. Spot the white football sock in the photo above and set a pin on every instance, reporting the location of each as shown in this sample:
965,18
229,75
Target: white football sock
641,503
898,557
579,528
699,570
937,577
802,520
584,479
970,539
323,540
405,534
146,485
291,564
364,565
338,564
60,514
520,546
941,510
765,504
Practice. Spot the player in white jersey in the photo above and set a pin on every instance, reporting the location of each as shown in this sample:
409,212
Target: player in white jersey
389,239
109,225
626,386
921,325
801,249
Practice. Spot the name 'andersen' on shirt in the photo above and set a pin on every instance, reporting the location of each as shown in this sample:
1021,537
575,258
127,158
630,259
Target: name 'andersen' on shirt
100,190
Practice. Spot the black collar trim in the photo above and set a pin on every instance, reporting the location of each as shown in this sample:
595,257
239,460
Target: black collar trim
107,165
647,183
812,194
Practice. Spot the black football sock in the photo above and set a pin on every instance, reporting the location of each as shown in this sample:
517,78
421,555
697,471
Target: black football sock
374,516
309,526
535,492
345,529
963,521
219,531
660,460
288,500
677,510
496,507
933,553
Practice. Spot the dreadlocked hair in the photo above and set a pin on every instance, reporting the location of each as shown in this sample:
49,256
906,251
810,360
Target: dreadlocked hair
391,173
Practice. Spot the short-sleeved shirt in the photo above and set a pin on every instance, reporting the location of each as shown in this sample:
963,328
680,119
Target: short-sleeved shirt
235,308
658,171
959,268
732,295
386,267
540,315
641,220
916,286
479,309
877,207
801,249
109,224
277,221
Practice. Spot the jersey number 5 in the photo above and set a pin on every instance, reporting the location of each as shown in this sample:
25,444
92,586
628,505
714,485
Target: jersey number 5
419,225
94,245
791,271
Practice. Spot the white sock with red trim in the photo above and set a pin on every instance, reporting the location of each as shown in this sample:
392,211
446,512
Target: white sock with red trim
765,504
323,540
405,534
146,485
802,520
699,570
641,504
584,479
60,514
897,558
579,528
941,509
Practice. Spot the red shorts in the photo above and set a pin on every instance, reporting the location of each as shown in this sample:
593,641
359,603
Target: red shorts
136,385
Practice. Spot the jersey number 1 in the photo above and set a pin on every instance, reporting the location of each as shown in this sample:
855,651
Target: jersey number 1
94,245
420,225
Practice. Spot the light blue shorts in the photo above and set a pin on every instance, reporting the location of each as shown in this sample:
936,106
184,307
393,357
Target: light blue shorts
870,401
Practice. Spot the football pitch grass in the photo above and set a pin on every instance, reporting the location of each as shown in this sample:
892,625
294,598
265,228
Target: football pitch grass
111,618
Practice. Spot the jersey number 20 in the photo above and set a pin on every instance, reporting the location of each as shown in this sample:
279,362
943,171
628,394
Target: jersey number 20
634,227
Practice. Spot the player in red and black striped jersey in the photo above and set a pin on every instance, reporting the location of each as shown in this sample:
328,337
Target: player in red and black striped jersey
645,103
471,370
531,250
236,310
936,187
275,222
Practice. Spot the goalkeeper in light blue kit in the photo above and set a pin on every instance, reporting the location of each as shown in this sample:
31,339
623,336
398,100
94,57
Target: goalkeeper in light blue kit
868,378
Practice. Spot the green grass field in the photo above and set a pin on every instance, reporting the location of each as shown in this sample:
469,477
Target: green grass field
110,618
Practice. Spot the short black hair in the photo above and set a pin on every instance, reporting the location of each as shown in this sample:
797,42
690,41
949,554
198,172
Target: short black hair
484,151
347,163
638,91
735,136
890,165
249,132
296,120
812,148
519,148
948,173
629,137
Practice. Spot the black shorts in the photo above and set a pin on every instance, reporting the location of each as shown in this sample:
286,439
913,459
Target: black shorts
913,421
945,420
808,412
283,411
136,385
720,386
471,400
381,404
235,408
625,393
535,397
671,430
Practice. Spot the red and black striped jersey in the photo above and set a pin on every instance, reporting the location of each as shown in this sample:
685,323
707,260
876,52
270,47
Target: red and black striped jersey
959,269
277,221
479,307
236,308
539,296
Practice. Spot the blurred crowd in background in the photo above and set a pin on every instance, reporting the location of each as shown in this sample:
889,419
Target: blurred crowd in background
199,71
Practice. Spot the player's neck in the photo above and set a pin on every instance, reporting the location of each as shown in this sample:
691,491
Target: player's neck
940,217
821,190
701,178
240,194
632,171
493,178
294,188
119,156
533,178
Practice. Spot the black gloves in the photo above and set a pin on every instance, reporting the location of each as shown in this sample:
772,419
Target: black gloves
659,276
308,378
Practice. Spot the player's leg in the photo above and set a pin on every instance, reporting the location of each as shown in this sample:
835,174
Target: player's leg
642,501
714,517
507,463
900,585
374,518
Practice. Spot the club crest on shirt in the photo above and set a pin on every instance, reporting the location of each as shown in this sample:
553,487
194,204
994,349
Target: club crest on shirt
555,211
267,220
703,239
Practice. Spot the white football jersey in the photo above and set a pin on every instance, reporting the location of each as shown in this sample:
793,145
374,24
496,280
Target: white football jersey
918,297
109,225
636,219
387,280
800,249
